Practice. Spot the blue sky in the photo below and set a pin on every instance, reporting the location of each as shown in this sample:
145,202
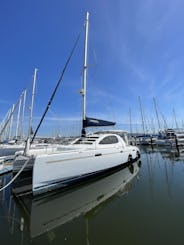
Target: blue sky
135,49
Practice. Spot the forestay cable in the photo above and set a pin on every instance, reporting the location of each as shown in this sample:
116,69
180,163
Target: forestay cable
57,85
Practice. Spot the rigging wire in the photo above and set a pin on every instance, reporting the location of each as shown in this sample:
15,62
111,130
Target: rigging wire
56,87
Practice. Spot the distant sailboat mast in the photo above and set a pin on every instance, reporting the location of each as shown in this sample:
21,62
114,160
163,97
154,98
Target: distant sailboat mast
8,127
23,113
31,113
11,122
18,119
2,125
142,116
165,123
8,120
83,91
130,113
155,105
174,114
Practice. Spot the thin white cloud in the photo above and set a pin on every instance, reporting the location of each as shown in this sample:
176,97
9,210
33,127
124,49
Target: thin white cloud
4,102
58,118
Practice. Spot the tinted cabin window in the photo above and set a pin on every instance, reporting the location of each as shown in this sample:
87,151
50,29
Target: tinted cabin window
109,140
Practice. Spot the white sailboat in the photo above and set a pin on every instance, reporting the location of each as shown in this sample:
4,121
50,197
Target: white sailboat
87,157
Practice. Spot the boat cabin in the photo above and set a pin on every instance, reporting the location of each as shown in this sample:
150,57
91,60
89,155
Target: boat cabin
100,139
123,134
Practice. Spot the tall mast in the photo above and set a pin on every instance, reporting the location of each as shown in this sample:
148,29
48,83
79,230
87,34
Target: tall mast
11,122
6,123
22,119
142,116
130,120
84,76
152,126
165,123
154,100
32,102
31,114
3,123
174,114
8,126
18,118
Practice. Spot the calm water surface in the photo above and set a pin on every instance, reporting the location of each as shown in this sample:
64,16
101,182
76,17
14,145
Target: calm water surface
137,205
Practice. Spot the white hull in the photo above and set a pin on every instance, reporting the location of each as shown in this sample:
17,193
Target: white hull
51,170
57,167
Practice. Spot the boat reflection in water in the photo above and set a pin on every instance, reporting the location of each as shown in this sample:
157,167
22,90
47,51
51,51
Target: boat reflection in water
173,153
48,212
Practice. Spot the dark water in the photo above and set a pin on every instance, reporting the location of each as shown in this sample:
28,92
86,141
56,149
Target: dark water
137,205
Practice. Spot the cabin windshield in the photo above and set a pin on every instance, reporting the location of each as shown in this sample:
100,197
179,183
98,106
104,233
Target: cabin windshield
122,134
109,140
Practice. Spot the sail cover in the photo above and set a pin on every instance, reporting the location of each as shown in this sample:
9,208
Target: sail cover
93,122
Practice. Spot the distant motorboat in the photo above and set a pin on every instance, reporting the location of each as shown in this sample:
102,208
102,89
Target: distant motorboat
145,140
166,138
